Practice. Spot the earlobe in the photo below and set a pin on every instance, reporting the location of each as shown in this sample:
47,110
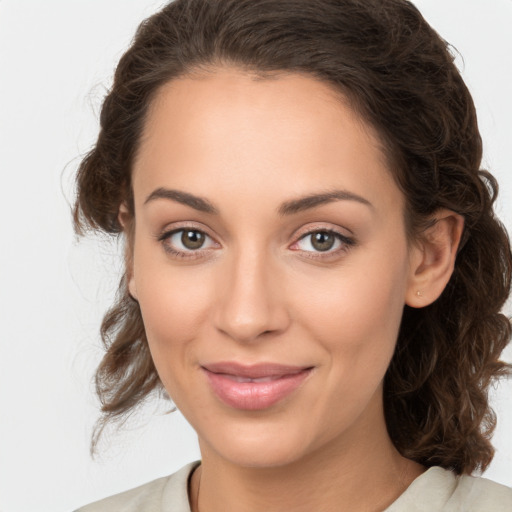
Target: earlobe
433,259
124,217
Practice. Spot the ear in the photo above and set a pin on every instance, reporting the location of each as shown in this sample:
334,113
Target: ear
432,259
127,222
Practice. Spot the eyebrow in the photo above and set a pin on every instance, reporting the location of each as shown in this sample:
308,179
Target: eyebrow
313,200
196,202
287,208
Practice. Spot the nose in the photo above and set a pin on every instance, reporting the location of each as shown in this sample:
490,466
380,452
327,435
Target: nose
250,299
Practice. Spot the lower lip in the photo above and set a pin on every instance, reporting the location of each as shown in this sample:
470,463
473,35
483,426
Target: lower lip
254,396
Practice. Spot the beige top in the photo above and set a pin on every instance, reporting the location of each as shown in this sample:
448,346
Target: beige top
436,490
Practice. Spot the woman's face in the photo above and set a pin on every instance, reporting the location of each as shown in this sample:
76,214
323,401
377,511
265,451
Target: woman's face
270,262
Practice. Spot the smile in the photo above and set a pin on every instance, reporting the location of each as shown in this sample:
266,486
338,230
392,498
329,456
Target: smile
254,387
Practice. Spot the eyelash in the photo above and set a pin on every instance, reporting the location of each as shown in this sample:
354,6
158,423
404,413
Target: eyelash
191,254
345,244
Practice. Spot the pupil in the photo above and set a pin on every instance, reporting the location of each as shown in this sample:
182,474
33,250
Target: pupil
192,239
323,241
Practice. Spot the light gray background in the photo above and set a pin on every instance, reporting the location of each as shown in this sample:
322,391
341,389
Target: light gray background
56,58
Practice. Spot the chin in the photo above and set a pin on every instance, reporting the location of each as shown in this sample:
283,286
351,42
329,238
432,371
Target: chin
265,446
258,456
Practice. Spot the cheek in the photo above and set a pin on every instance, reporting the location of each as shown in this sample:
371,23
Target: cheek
172,307
354,317
174,303
355,312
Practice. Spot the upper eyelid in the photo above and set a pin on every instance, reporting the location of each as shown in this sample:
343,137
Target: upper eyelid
167,231
168,234
299,234
313,227
322,230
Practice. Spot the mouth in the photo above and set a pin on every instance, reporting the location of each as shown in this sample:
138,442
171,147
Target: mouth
254,387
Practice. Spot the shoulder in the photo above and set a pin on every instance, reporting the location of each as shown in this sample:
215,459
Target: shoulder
480,494
154,496
441,490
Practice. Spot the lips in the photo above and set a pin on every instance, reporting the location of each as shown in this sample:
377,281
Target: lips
254,387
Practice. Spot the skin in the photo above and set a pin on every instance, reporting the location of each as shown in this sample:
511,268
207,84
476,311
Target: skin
259,291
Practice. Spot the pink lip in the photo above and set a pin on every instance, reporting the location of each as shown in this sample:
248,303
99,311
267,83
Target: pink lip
254,387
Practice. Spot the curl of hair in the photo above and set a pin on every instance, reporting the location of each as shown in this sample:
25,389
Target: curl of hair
400,76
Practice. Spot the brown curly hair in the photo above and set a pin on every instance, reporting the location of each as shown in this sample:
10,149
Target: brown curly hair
400,76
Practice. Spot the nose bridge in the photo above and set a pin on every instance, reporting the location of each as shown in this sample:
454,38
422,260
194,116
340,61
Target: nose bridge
249,303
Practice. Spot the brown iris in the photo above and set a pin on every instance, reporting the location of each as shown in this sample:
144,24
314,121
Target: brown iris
322,240
192,239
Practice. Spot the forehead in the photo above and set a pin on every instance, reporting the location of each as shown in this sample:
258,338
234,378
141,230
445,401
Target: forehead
286,133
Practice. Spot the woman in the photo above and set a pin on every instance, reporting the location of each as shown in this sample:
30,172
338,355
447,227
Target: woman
314,273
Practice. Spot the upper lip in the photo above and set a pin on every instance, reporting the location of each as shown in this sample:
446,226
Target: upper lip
253,371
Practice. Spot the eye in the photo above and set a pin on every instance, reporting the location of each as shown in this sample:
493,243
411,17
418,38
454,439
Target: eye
183,242
323,241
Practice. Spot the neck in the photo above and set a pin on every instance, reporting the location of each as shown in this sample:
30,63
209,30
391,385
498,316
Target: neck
361,470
